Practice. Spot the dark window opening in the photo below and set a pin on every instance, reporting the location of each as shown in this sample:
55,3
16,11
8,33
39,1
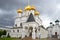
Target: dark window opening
17,30
21,24
16,25
13,30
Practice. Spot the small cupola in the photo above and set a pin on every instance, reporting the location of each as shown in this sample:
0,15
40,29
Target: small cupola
19,11
36,13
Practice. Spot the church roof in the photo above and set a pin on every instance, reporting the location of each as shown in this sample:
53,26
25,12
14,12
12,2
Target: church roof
49,27
31,18
57,21
43,27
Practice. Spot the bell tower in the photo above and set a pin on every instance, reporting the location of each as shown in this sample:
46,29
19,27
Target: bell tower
57,22
18,20
19,11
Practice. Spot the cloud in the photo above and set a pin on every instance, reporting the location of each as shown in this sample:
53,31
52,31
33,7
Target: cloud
47,9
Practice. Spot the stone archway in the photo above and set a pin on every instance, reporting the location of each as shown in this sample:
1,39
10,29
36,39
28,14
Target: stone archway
30,31
56,35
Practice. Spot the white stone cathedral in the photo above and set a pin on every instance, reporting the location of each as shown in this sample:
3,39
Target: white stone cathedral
28,24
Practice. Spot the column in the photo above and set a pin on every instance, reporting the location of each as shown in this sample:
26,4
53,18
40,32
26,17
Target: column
33,33
23,33
37,34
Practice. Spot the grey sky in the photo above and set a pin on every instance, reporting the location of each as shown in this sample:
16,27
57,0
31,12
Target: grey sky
49,10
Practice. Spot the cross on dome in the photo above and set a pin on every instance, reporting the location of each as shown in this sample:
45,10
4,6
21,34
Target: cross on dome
29,7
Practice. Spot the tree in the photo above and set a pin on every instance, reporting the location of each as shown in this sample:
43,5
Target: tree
8,35
4,32
1,33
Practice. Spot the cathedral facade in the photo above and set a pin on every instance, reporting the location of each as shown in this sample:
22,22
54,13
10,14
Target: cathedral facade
28,24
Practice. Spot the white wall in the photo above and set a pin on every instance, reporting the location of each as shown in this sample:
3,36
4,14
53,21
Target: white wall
15,33
44,33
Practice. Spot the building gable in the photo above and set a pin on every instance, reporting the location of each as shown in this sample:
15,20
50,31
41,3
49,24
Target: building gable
31,18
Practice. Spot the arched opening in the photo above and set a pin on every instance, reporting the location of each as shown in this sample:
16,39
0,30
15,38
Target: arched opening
30,31
56,35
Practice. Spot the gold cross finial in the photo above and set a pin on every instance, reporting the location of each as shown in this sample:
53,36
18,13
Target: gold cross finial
28,2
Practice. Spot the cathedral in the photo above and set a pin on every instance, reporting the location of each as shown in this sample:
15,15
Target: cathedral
28,24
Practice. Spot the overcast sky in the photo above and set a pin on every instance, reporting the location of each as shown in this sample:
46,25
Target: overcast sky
49,10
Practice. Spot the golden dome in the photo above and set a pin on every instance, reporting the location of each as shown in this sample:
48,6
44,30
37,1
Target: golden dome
28,7
32,8
19,11
36,13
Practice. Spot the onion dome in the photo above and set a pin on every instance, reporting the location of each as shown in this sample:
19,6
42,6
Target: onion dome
57,21
19,11
28,7
32,7
36,13
51,23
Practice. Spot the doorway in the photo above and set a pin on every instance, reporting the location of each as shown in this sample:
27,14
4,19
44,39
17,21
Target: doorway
30,31
56,35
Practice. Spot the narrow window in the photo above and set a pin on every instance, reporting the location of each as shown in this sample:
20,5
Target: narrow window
16,25
21,24
17,30
13,30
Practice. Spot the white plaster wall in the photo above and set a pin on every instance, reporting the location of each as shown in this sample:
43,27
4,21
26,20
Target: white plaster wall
38,20
38,34
23,19
55,29
27,13
49,32
20,20
59,32
26,32
30,24
17,21
19,14
16,34
44,33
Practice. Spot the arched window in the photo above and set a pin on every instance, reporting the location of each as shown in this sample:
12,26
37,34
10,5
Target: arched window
17,30
21,24
16,25
13,30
